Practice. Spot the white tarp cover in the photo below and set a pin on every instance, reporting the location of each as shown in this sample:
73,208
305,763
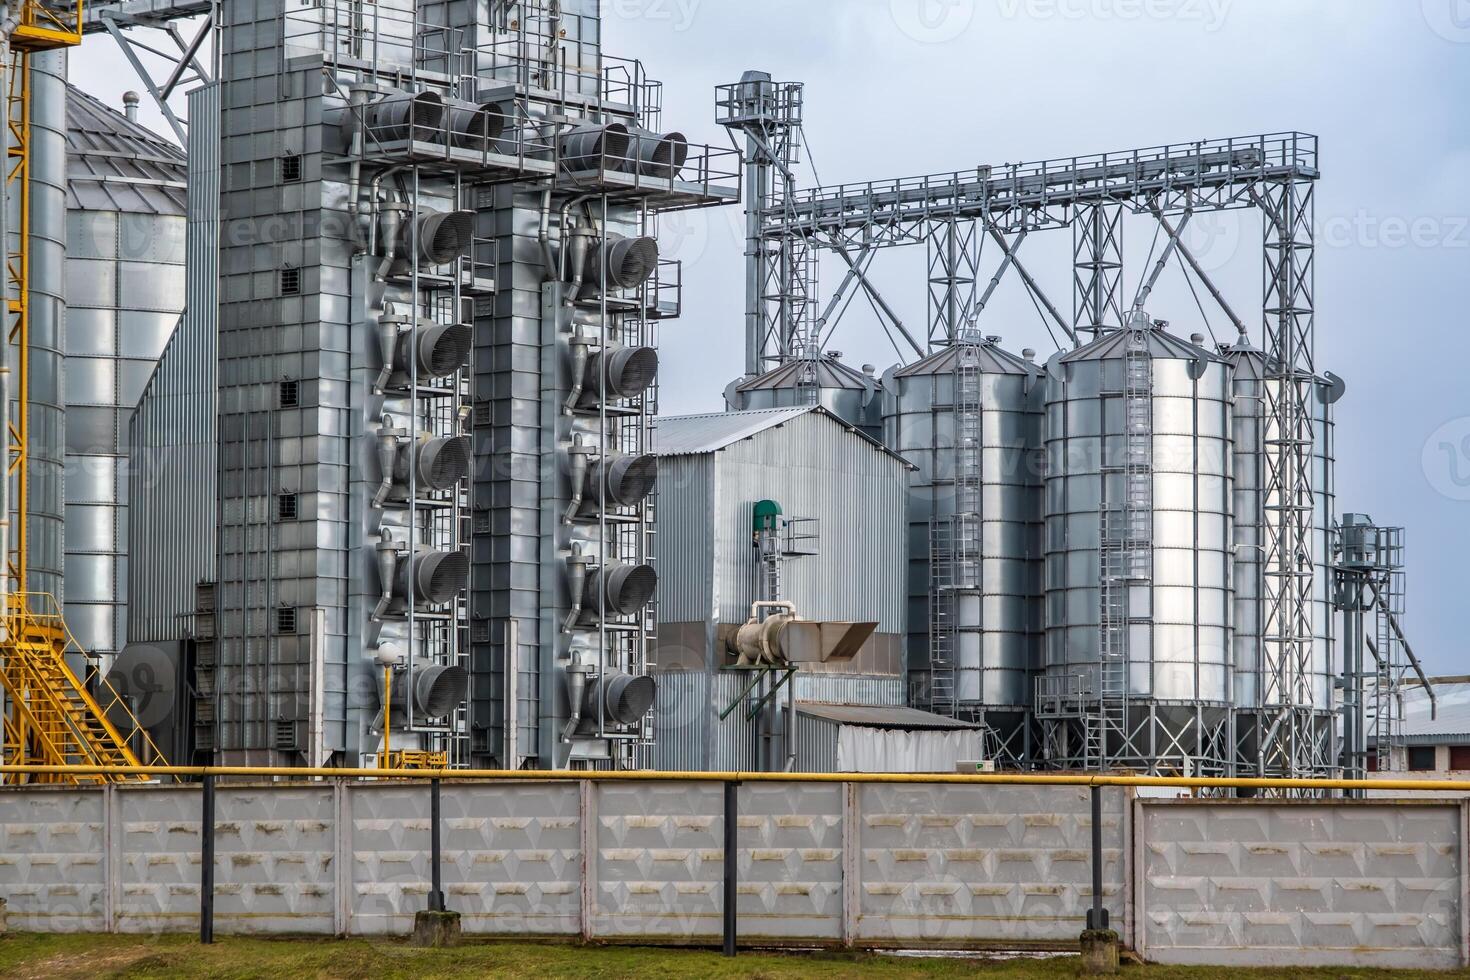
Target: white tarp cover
862,749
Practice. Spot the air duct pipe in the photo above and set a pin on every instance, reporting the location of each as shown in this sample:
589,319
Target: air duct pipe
440,349
389,439
431,576
476,127
659,154
595,146
390,328
616,589
577,675
436,691
617,372
615,480
578,462
576,586
387,554
620,262
405,116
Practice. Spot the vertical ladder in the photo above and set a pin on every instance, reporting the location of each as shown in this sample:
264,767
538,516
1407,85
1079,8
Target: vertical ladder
1125,552
955,541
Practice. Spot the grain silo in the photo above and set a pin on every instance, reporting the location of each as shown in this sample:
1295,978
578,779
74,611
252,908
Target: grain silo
1138,555
969,417
125,293
853,396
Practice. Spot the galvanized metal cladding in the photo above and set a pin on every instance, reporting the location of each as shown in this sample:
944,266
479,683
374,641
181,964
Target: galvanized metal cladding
436,385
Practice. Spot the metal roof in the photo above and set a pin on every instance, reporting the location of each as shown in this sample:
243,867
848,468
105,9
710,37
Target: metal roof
868,716
828,372
695,435
990,358
115,164
1159,343
1452,722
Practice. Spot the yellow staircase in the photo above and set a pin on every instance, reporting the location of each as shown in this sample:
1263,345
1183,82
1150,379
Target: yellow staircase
51,717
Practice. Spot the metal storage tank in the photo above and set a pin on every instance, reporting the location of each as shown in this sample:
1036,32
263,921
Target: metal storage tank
1251,509
125,291
969,417
853,396
1138,555
46,313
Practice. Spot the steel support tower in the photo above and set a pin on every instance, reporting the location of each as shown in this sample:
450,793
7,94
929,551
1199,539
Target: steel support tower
1273,174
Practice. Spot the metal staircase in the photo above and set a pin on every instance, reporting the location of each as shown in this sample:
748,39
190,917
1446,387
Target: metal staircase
1125,552
53,719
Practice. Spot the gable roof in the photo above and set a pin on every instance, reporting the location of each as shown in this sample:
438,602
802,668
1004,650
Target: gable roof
695,435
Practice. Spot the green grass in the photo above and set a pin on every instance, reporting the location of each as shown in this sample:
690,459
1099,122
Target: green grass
90,957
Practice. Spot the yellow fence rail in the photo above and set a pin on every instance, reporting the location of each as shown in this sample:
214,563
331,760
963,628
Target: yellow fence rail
653,775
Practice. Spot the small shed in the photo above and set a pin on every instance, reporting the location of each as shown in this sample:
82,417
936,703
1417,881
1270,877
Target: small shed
861,738
850,496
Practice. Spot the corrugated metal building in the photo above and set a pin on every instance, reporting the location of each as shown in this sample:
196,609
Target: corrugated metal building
713,469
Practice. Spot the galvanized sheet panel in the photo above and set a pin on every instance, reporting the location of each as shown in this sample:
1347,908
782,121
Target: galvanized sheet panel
957,864
1274,884
53,849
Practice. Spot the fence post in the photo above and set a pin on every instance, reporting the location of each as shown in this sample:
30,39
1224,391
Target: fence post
732,862
1097,916
436,850
206,862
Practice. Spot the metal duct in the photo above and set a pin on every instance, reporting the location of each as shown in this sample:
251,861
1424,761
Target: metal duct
476,127
621,699
441,463
439,236
404,116
619,590
628,262
438,576
437,691
442,349
596,146
623,372
621,480
660,155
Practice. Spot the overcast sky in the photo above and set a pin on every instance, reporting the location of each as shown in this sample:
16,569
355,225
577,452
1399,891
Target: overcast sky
907,87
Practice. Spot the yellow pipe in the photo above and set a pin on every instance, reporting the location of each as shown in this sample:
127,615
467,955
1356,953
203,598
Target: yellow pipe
648,775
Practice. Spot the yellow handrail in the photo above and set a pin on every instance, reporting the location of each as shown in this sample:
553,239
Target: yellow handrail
651,775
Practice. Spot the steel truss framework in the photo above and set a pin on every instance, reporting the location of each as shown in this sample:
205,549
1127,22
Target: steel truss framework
151,28
951,213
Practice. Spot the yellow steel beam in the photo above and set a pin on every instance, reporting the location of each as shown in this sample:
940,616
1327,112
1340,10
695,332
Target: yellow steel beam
649,775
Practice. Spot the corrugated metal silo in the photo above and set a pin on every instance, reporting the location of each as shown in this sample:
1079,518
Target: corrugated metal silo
970,417
125,291
853,396
1252,509
1138,555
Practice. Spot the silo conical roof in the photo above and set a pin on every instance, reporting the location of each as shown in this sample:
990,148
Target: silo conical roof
115,164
